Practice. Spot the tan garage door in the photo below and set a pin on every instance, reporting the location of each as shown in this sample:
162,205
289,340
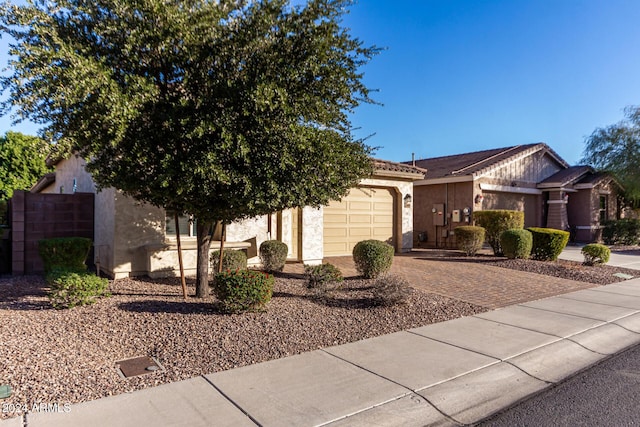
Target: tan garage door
365,213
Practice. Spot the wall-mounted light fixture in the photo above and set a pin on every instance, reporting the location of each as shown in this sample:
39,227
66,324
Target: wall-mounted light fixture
565,197
479,198
407,201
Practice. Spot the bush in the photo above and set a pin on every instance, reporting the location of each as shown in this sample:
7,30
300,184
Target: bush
621,232
595,253
516,243
243,290
68,253
320,276
390,289
70,288
495,222
372,257
548,243
469,238
231,260
273,254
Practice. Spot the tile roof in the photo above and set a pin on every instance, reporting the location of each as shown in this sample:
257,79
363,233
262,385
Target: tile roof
388,166
472,163
566,176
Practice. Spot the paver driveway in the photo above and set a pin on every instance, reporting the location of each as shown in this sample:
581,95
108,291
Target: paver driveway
471,281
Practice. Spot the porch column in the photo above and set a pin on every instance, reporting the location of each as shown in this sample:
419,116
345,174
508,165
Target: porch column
557,211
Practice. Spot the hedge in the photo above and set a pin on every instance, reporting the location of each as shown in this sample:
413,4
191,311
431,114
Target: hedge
495,222
548,243
516,243
469,238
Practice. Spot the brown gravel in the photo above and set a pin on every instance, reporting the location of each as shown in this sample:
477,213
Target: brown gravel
60,356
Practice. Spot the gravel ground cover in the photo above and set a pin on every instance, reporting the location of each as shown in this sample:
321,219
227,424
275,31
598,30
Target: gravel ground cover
68,356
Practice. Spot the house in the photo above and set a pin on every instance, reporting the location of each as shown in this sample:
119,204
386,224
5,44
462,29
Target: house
132,238
531,178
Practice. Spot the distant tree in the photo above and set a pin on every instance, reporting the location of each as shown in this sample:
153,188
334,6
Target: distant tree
223,109
22,162
616,149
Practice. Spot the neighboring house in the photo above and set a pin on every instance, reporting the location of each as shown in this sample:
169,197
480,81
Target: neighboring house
133,238
530,178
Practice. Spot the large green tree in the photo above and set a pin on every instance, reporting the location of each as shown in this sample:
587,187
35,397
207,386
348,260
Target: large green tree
225,109
616,149
22,162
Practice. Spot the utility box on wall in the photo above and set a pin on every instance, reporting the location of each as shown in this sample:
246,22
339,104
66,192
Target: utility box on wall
455,215
439,217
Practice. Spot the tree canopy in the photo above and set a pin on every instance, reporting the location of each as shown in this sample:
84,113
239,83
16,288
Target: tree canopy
223,109
616,149
22,162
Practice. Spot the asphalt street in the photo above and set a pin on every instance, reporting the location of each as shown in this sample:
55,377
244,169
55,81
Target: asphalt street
607,394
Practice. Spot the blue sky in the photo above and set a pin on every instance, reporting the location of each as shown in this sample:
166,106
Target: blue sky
468,75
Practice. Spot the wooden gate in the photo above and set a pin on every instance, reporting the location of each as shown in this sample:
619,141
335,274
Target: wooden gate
36,216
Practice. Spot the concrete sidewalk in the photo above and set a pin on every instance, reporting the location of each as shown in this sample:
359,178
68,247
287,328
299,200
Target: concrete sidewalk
451,373
618,259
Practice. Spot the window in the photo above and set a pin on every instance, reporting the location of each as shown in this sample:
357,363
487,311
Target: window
186,223
188,226
604,209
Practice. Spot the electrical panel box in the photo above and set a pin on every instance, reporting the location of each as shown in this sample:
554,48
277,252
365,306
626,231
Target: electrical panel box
455,216
439,217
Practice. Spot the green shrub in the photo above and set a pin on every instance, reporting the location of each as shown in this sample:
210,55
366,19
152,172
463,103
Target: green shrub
595,253
372,257
70,288
243,290
621,232
273,254
231,260
469,238
548,243
390,289
516,243
495,222
64,252
320,276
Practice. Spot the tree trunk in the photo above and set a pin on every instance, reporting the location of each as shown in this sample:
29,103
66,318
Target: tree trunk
202,266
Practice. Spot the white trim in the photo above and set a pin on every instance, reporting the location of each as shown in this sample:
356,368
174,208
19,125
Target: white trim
556,202
507,189
588,227
565,189
444,180
583,186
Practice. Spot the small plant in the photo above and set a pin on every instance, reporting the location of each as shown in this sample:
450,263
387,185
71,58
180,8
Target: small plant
273,254
516,243
231,260
548,243
372,257
469,239
320,277
64,252
497,221
595,253
390,289
72,288
243,290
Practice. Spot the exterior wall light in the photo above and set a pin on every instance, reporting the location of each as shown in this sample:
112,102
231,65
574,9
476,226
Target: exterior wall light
479,198
407,201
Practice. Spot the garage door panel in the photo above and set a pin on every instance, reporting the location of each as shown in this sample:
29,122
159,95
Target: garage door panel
365,213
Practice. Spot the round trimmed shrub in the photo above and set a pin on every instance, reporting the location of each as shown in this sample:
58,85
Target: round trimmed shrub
273,254
495,222
548,243
469,238
243,290
70,288
64,252
372,257
231,260
595,253
516,243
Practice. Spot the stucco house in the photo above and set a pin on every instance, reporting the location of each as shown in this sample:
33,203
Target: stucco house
531,178
133,238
